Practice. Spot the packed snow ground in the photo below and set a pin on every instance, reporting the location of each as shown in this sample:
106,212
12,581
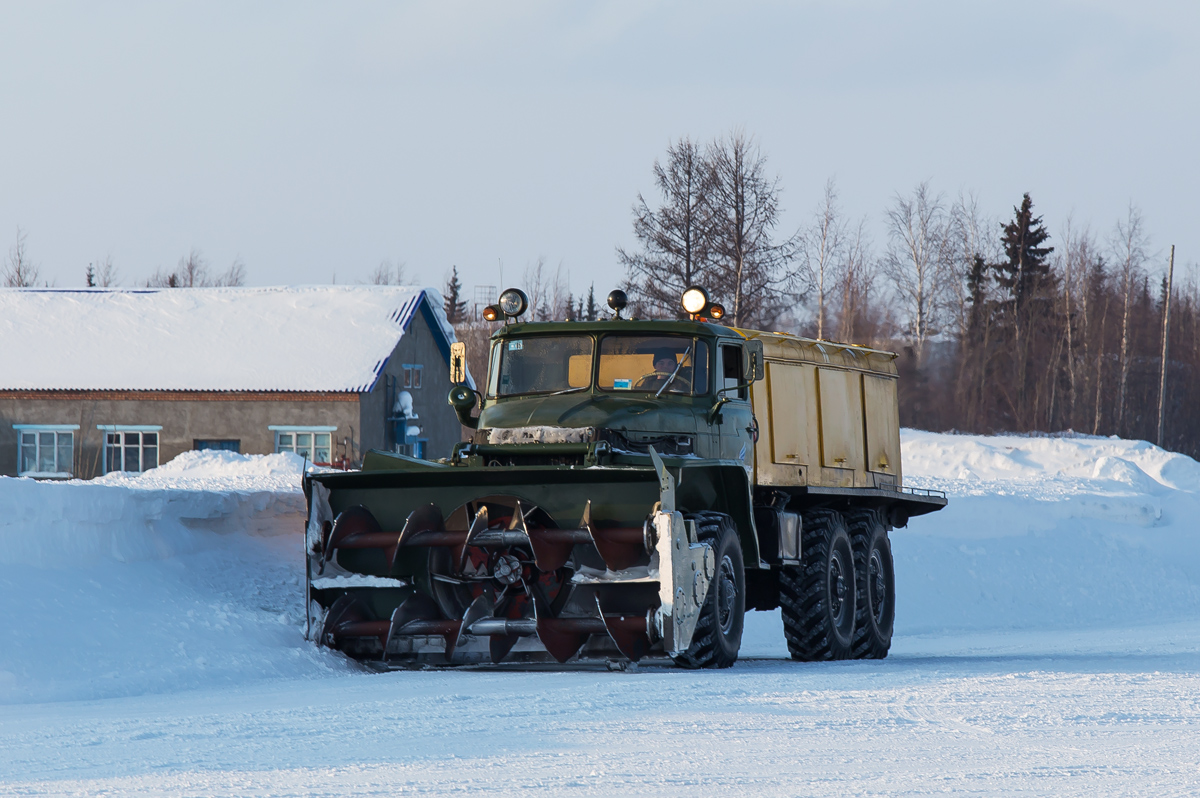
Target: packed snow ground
1048,642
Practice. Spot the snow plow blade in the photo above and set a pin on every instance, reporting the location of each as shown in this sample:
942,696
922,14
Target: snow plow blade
452,566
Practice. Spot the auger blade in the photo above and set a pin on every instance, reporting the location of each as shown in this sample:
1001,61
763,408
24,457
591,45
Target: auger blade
500,645
417,607
619,547
350,617
561,637
481,607
479,525
630,633
356,528
550,550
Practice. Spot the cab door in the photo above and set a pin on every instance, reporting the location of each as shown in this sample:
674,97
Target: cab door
736,419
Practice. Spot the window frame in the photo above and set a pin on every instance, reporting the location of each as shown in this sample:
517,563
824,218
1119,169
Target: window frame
123,429
36,430
695,341
497,361
411,376
311,450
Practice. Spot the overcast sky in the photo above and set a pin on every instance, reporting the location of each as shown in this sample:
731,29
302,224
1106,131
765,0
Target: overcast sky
314,140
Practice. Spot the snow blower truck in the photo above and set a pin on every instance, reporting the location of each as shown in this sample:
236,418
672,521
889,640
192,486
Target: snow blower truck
630,489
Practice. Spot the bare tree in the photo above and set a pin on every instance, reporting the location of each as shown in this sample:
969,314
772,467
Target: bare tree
548,293
969,237
855,286
192,272
234,276
822,246
750,264
915,261
675,236
387,273
106,274
1129,244
19,270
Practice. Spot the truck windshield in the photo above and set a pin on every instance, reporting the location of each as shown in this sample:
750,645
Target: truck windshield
653,364
542,364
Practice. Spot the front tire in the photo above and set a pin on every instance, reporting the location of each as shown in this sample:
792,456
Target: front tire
718,635
818,597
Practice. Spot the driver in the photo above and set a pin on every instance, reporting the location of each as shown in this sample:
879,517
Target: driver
665,364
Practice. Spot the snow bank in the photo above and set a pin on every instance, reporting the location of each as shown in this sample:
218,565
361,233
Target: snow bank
1047,532
192,575
185,576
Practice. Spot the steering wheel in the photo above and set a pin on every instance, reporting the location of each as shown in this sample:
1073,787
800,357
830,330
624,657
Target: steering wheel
648,380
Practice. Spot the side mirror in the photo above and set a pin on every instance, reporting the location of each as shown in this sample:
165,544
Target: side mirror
754,366
463,400
458,363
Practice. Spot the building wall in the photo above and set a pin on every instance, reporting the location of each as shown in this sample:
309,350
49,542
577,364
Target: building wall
184,417
435,417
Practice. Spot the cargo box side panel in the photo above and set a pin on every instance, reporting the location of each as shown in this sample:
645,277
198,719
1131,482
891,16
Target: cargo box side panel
882,425
789,439
840,396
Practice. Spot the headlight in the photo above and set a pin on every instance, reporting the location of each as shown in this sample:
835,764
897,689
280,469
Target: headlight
491,313
513,302
716,311
695,300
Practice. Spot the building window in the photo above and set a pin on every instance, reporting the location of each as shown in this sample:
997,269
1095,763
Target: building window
130,448
45,450
315,443
411,378
216,445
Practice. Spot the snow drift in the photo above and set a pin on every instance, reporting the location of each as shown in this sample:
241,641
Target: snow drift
191,575
184,576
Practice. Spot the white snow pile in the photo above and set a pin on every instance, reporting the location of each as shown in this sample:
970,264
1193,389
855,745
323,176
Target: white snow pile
191,576
1047,533
183,576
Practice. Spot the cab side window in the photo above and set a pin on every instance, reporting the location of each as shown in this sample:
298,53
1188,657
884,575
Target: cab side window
731,371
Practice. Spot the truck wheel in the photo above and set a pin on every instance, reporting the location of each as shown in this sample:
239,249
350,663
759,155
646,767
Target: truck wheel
818,597
876,578
718,634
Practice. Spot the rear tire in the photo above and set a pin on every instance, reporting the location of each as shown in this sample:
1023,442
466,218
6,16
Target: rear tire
718,635
818,597
876,578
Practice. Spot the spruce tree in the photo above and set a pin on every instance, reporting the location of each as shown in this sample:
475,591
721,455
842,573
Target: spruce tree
592,310
1026,268
456,306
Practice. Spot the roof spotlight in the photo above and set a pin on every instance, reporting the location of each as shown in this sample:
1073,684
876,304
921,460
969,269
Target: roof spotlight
513,302
716,311
617,301
695,299
491,313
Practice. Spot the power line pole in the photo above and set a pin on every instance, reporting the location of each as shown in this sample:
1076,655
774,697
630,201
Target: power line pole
1162,374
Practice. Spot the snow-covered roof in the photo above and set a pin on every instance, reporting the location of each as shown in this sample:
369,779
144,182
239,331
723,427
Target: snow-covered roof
306,338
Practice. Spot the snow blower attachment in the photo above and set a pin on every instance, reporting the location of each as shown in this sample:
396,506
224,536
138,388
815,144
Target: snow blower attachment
498,578
629,490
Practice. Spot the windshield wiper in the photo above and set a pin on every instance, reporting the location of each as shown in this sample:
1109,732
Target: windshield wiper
678,366
566,390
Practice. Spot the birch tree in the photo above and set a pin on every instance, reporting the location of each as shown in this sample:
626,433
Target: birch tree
915,261
1129,243
822,246
19,270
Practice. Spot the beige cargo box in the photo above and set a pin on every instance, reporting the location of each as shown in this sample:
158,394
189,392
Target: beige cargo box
828,415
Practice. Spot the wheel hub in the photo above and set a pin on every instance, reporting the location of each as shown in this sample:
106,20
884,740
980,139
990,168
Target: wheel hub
879,584
726,594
